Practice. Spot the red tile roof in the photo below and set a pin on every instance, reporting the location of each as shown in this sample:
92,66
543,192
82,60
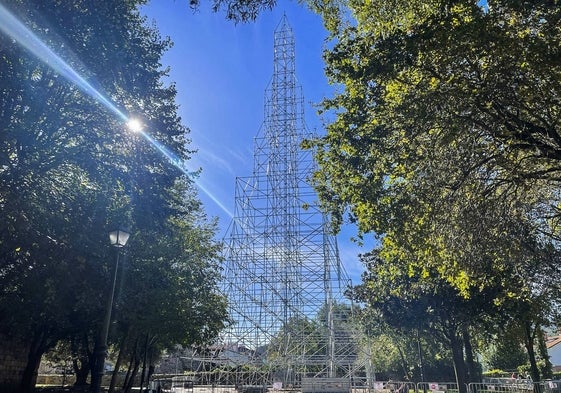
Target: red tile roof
552,341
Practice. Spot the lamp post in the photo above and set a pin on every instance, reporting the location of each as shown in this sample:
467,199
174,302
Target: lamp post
118,238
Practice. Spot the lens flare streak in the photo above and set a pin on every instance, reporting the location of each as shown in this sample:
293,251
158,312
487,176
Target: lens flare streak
172,157
12,27
174,160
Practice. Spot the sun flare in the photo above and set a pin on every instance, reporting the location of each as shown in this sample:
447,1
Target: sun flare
134,125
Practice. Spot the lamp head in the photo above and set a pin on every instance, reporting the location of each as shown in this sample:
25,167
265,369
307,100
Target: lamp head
119,238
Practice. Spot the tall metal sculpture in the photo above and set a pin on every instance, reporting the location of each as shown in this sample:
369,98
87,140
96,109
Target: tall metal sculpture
283,275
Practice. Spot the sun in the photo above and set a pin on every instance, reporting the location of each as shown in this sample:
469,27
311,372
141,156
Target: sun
134,125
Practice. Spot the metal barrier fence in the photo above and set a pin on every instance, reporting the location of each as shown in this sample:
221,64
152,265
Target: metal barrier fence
325,385
365,386
438,387
392,387
512,386
362,386
552,386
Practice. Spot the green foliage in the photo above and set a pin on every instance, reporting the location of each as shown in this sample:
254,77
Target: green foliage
237,10
398,353
431,138
298,336
445,145
507,353
70,172
497,373
309,338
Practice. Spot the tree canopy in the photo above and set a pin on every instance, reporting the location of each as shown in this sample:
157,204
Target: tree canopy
70,172
443,142
446,125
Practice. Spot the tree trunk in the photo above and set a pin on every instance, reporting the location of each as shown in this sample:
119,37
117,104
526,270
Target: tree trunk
547,370
459,364
130,383
130,367
97,363
145,354
128,374
118,363
81,361
403,362
473,374
36,351
134,364
529,335
81,371
151,369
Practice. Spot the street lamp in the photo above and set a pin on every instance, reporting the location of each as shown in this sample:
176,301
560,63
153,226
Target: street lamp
118,238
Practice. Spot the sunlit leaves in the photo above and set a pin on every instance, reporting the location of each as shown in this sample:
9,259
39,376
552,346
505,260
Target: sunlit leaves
444,106
70,172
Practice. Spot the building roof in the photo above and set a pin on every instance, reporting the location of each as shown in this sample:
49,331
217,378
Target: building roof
552,341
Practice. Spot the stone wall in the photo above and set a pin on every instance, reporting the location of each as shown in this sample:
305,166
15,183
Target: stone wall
13,358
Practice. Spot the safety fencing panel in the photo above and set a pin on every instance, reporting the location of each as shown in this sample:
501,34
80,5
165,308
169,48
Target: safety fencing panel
182,384
437,387
326,385
552,386
507,386
392,387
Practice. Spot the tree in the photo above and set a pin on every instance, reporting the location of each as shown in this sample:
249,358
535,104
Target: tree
298,337
172,299
430,108
444,145
402,354
507,354
70,173
411,304
238,10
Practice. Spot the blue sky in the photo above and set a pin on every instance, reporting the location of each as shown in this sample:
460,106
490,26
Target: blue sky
221,71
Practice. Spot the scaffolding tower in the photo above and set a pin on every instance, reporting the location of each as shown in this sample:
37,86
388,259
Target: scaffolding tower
282,275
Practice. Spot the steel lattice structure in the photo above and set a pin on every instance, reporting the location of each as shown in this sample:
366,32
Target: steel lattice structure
282,275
